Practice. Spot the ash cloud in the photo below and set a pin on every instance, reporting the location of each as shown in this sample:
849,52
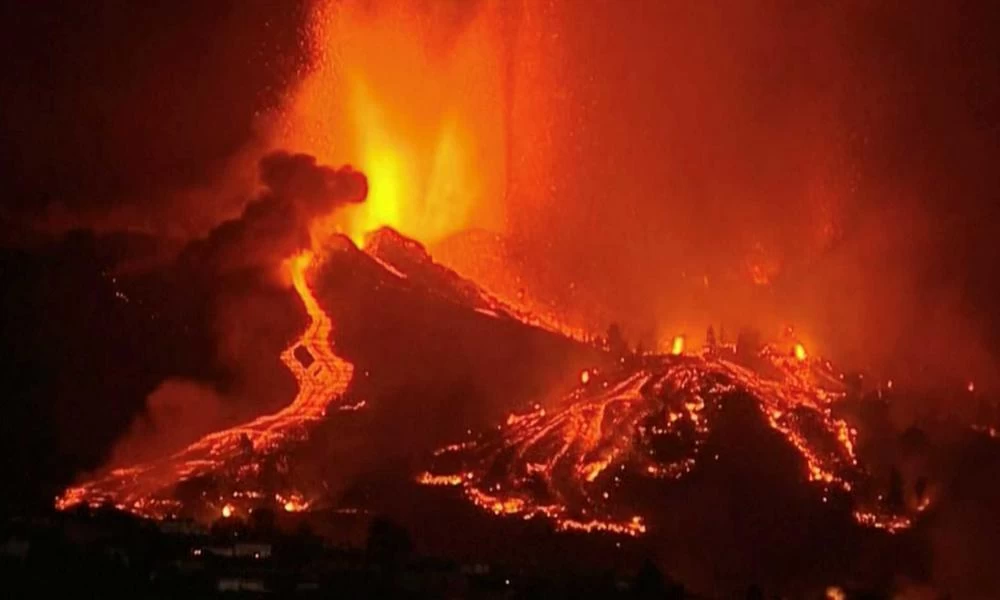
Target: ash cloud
276,224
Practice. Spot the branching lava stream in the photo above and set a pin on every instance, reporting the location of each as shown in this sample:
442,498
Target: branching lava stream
322,377
567,461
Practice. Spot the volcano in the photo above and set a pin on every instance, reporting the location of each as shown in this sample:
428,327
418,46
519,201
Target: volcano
423,396
392,291
423,355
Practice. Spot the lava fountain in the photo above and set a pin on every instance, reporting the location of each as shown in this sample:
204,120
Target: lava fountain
413,96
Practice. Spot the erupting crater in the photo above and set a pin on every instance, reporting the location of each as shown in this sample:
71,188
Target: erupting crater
577,459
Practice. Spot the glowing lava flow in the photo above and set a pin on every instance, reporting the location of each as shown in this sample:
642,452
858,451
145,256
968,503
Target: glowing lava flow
573,462
322,378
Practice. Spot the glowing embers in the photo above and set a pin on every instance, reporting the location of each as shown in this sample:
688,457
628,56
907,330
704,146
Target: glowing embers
889,522
292,503
633,526
241,455
441,480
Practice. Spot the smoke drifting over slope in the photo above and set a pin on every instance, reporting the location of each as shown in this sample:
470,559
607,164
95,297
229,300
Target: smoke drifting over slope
251,313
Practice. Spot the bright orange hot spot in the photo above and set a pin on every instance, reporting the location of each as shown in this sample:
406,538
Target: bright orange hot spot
677,347
419,110
800,352
835,593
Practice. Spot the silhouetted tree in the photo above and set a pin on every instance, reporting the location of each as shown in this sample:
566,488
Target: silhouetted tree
246,445
748,345
710,340
616,340
855,383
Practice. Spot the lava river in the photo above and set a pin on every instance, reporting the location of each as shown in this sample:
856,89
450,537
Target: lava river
148,489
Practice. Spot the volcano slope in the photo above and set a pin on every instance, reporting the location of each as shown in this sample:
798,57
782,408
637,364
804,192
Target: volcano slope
731,473
419,356
730,467
439,352
473,429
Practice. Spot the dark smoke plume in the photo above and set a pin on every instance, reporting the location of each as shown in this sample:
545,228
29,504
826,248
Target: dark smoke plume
251,316
276,224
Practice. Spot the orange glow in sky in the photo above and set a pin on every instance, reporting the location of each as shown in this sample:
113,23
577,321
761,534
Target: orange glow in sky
416,106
